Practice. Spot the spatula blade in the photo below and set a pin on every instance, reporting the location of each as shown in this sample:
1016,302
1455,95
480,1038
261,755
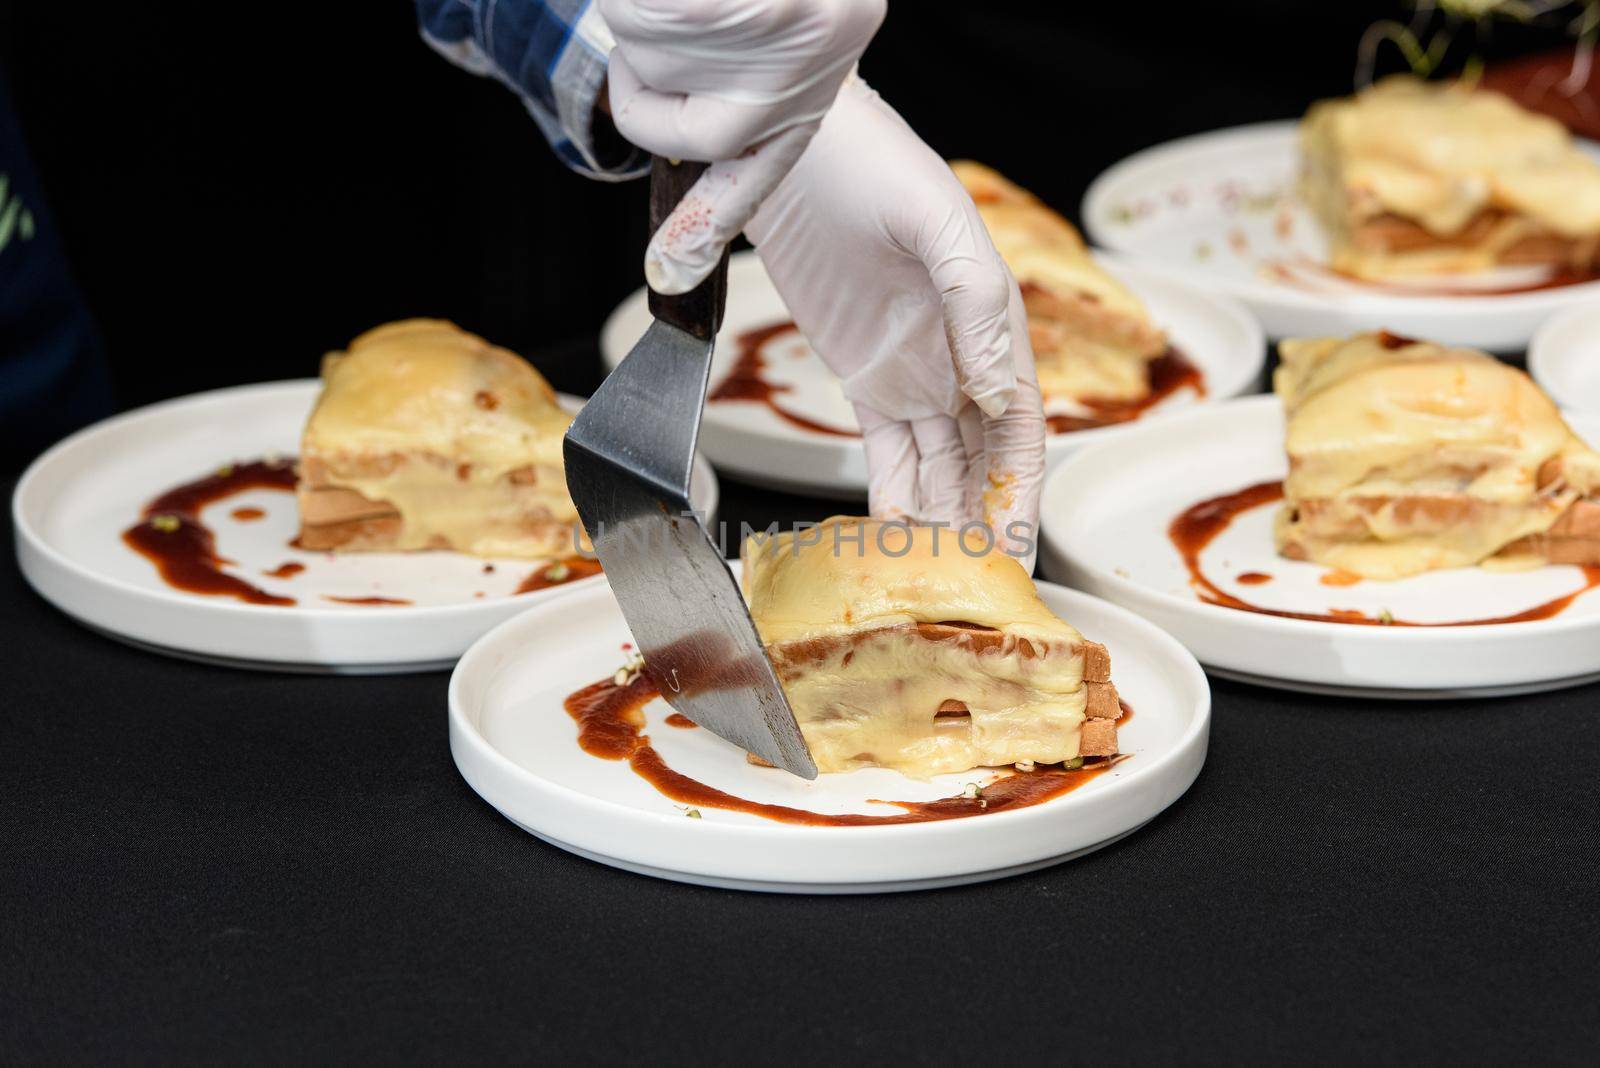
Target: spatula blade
629,454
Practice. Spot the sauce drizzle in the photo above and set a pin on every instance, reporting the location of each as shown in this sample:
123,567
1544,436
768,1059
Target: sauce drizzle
610,722
1287,274
1169,373
184,550
1200,524
557,572
747,381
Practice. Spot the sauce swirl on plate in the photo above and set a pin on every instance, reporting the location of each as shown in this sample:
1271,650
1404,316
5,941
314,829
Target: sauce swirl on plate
1199,525
610,719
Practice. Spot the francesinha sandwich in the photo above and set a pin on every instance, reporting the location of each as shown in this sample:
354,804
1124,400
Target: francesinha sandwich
428,437
930,661
1092,338
1410,177
1406,456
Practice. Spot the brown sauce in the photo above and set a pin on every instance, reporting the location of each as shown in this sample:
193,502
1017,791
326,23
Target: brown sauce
247,514
557,572
747,381
678,719
1253,578
1556,279
1170,372
184,550
1339,577
1199,525
288,569
366,600
610,722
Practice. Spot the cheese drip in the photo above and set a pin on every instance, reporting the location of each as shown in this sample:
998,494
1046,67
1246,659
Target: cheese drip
1094,337
1408,456
460,437
856,614
1446,157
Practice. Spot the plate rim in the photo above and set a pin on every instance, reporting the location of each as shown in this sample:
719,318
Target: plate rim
1095,214
1544,349
33,541
464,726
1085,458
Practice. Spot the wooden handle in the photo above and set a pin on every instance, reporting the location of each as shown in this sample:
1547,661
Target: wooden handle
699,311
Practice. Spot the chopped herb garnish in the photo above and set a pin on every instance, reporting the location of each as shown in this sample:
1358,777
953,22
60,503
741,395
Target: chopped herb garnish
225,470
1072,765
1385,617
557,572
166,523
972,790
692,813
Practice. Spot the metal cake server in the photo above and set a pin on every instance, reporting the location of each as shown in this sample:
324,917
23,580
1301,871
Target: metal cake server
628,457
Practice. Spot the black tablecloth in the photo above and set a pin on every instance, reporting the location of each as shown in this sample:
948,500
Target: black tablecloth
203,864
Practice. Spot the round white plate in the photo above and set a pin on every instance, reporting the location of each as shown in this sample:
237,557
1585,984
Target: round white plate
1218,210
747,439
1564,358
517,747
1105,517
74,502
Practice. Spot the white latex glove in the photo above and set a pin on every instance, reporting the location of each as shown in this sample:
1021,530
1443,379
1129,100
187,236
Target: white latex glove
742,84
881,257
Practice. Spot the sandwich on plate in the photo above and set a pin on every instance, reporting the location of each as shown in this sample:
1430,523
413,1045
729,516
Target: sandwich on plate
1092,338
1425,178
428,437
1406,456
908,647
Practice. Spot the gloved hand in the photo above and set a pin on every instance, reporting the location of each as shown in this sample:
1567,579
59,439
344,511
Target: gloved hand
881,257
742,84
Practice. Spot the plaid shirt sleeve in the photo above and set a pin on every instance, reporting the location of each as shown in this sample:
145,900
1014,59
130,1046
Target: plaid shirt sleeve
552,54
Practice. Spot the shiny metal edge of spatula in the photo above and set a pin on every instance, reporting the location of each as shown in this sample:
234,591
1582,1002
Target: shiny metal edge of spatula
629,454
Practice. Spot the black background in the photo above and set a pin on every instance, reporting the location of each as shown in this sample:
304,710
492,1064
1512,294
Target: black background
242,190
203,864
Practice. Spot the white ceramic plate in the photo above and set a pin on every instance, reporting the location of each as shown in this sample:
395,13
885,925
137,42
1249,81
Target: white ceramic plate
516,746
1564,358
751,441
1216,210
74,502
1105,517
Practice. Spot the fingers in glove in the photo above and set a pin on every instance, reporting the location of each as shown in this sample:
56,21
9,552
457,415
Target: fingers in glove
943,488
688,244
1014,458
695,126
974,289
891,466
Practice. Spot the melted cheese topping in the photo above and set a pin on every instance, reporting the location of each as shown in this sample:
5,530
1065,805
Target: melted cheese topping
462,438
850,574
873,703
1440,154
1407,456
1037,244
1099,349
840,611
